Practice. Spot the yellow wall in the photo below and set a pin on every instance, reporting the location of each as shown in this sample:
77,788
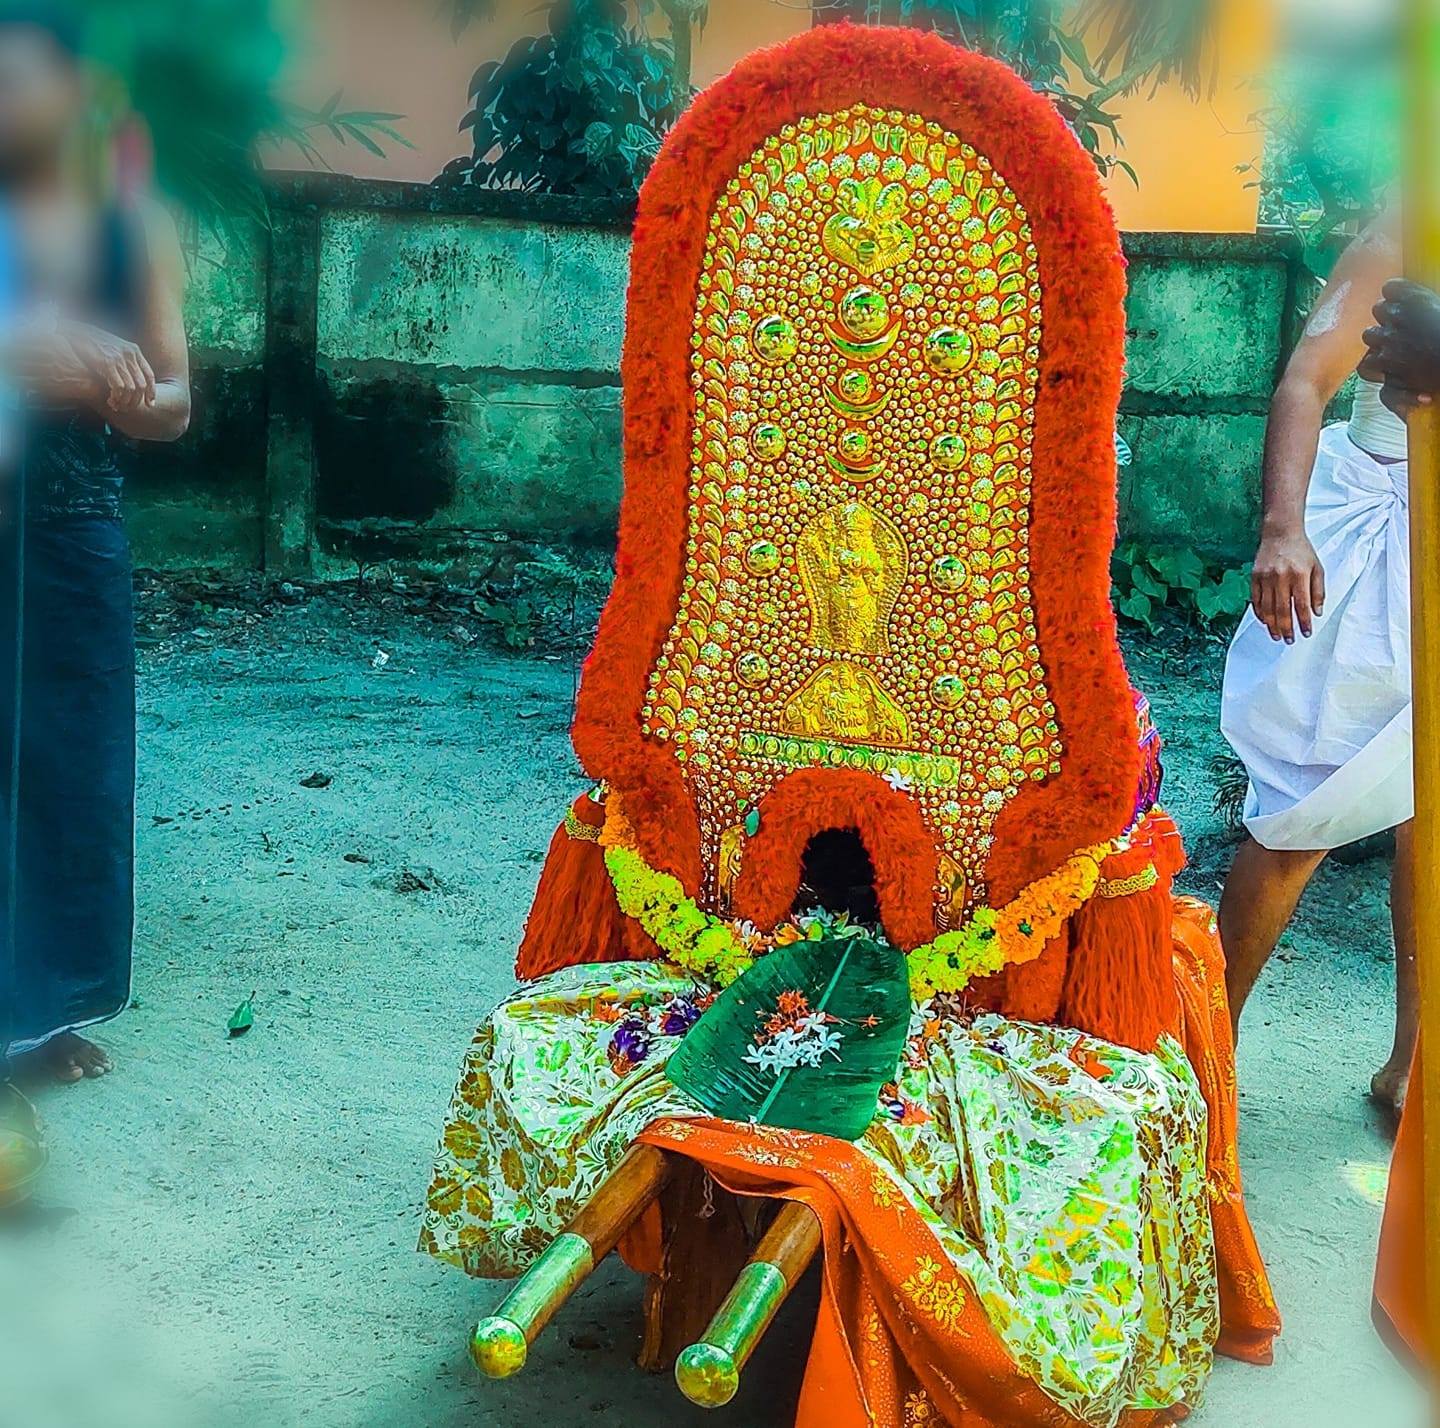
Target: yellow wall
398,55
1188,152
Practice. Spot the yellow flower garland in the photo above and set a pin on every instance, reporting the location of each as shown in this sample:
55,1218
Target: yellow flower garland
993,939
708,947
696,941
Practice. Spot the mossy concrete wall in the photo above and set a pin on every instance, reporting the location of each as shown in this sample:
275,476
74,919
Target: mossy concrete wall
1209,323
200,502
394,374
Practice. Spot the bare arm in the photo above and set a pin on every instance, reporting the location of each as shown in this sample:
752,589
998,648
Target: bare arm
1287,588
147,389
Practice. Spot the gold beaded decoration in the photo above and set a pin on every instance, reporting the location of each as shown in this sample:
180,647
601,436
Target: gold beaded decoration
856,595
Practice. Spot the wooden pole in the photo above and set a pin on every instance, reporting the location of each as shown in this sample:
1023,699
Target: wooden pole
501,1343
1422,263
709,1372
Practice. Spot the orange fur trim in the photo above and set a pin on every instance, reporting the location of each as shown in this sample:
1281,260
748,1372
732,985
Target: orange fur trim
574,917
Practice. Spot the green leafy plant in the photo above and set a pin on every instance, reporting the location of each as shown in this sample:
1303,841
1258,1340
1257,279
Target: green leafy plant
296,125
1149,580
581,109
545,603
1331,130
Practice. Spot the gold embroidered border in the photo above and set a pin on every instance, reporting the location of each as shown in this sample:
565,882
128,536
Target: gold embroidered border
585,832
1139,882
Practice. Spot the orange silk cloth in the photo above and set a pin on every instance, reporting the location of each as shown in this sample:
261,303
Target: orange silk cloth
1400,1273
1249,1320
901,1339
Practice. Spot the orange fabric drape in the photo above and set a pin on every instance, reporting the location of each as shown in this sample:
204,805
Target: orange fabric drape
1249,1320
900,1334
1400,1272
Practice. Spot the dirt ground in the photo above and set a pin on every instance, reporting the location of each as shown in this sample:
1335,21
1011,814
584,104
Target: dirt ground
228,1228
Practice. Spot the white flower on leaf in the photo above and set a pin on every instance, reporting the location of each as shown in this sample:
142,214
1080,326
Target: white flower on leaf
805,1043
898,781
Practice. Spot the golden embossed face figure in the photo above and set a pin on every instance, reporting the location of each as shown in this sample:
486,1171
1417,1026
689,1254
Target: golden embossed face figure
856,592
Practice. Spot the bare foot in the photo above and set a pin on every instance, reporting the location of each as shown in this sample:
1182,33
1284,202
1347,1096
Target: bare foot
66,1058
1389,1085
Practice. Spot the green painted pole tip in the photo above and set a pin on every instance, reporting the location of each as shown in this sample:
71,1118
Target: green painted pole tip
707,1375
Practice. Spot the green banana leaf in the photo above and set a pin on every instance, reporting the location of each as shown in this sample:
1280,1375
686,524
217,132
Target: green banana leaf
859,982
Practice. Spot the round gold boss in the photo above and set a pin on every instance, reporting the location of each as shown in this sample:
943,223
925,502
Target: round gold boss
775,339
763,558
948,573
948,451
948,690
752,668
864,311
949,350
767,441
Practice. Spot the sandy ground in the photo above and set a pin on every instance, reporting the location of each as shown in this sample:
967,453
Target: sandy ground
228,1228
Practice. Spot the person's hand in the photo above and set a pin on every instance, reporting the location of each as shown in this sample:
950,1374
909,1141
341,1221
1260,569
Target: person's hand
1404,345
1287,586
128,378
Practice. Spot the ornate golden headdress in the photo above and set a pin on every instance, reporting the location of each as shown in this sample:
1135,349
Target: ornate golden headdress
873,357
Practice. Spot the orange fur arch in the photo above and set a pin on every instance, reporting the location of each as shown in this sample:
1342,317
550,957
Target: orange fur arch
899,846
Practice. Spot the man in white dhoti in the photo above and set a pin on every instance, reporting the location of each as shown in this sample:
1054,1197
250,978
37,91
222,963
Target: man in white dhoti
1317,683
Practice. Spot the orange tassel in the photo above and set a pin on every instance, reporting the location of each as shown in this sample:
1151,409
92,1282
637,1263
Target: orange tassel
1120,985
575,917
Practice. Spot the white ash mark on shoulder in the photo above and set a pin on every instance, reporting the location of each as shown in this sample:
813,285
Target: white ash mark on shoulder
1326,317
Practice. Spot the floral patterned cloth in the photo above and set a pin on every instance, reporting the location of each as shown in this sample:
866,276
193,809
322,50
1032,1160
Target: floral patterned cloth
539,1117
1062,1177
1065,1179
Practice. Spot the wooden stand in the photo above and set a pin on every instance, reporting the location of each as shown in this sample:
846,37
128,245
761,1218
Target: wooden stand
1422,261
501,1343
708,1372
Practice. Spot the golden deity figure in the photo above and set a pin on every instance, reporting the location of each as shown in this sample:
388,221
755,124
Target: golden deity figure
845,702
869,233
852,566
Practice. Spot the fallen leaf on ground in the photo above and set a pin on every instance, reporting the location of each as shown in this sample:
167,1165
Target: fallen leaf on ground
242,1018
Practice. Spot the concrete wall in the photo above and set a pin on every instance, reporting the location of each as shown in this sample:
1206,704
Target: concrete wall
1209,322
388,375
199,503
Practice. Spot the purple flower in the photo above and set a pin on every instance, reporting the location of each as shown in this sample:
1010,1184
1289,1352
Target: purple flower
629,1044
678,1016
